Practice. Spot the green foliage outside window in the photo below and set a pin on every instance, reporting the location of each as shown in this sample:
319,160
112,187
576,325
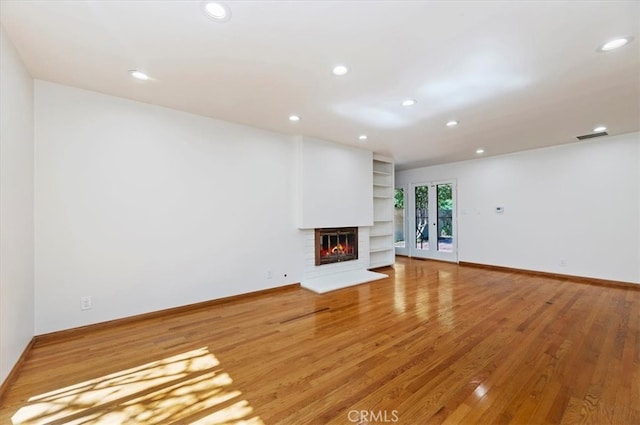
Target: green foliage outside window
399,199
445,201
445,204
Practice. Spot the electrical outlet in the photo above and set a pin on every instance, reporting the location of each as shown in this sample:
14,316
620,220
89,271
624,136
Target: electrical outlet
269,274
563,262
86,303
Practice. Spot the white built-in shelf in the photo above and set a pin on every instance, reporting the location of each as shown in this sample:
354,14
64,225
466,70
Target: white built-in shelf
381,249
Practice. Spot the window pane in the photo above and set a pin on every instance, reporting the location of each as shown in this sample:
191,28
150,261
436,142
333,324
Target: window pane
399,218
422,217
445,218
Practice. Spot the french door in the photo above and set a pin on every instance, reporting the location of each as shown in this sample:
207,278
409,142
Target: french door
433,210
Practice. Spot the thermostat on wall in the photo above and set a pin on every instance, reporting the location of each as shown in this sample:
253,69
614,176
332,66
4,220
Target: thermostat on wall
499,210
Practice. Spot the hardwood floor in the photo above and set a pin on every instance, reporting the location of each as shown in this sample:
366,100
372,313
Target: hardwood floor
434,343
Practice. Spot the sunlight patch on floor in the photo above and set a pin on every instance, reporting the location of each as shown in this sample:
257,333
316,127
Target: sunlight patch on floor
190,386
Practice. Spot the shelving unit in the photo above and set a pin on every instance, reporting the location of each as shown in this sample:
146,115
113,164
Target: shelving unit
381,250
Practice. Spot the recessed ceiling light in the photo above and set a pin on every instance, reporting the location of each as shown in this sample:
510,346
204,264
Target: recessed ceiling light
600,129
362,137
138,75
294,118
614,44
452,123
479,151
408,102
217,11
340,70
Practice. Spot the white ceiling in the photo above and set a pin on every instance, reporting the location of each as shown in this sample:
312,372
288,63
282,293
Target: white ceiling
516,74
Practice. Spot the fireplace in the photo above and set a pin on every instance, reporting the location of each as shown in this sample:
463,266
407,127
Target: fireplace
336,245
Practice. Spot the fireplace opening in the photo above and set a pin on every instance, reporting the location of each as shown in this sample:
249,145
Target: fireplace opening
336,245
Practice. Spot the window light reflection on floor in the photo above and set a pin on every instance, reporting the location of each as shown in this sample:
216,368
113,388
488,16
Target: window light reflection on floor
190,387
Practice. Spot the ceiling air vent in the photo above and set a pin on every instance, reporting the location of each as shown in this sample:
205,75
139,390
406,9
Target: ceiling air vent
592,135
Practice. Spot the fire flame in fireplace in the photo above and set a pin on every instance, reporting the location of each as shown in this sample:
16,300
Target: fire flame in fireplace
337,249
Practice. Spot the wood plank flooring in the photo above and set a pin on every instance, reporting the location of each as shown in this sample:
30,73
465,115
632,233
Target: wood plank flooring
434,343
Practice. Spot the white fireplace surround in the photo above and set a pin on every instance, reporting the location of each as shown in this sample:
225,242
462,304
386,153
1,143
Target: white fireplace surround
335,190
329,277
335,185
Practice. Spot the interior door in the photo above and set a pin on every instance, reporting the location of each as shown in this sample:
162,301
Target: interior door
433,219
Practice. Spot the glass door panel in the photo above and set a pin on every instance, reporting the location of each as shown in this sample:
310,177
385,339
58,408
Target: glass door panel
421,202
445,217
399,218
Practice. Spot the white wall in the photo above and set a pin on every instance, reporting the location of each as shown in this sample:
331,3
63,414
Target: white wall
335,185
578,202
16,207
145,208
